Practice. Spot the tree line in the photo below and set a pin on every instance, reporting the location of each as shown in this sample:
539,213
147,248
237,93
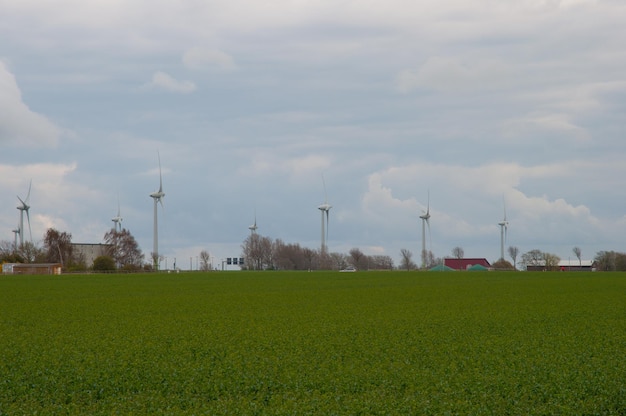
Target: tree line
122,252
265,253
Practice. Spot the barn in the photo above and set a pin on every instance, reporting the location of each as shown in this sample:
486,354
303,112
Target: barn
36,268
565,266
466,264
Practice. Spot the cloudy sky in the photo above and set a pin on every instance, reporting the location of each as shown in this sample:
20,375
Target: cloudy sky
250,104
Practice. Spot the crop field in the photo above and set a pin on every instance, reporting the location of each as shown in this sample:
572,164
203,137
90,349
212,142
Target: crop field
287,343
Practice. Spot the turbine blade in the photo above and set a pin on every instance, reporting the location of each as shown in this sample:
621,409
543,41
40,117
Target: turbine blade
160,176
325,195
29,186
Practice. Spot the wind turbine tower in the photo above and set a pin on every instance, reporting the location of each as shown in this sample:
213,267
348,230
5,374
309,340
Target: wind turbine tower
158,198
324,209
425,222
17,233
24,207
504,225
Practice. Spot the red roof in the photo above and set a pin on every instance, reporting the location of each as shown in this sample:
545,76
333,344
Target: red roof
464,264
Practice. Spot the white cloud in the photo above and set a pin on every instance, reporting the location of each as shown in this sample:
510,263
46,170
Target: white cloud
204,58
454,75
18,123
547,124
164,81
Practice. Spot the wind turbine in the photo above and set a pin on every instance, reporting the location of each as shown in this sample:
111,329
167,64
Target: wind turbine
425,221
504,225
16,232
24,207
158,198
324,208
117,220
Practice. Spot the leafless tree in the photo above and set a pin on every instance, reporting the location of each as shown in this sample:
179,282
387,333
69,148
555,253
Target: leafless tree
358,258
30,253
406,262
431,260
58,247
513,252
380,262
339,261
538,258
532,258
258,252
124,249
458,252
551,261
205,261
578,253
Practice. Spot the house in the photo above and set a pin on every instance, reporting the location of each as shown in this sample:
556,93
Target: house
465,264
36,268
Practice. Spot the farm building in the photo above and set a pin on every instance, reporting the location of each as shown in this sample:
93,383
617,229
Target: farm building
466,264
87,253
33,268
566,266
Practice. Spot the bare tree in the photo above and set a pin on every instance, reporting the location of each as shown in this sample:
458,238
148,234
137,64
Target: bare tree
30,253
458,252
58,247
551,261
406,262
124,249
532,258
380,262
258,252
205,261
431,260
339,260
358,258
548,261
513,252
578,253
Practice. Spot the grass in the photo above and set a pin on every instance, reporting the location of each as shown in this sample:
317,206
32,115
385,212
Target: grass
314,343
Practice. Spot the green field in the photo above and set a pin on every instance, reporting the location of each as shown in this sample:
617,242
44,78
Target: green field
314,343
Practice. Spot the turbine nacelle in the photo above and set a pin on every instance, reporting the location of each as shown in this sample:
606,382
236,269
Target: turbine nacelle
158,195
253,227
325,207
117,220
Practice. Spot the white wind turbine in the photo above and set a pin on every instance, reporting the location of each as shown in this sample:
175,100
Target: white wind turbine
24,207
425,222
253,227
324,208
117,220
17,233
158,198
504,225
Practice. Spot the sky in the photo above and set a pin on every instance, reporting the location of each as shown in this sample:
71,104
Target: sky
268,109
